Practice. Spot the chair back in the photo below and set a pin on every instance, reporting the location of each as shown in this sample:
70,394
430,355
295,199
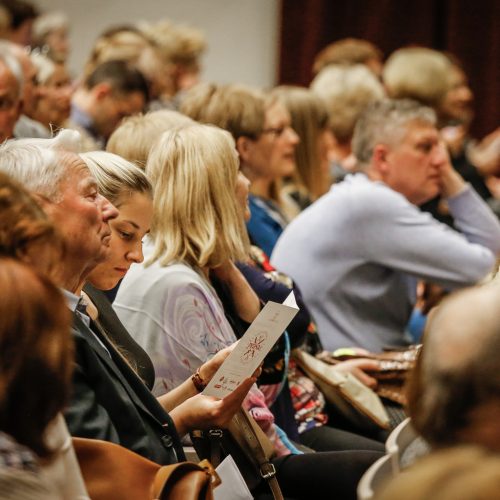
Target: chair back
399,440
376,476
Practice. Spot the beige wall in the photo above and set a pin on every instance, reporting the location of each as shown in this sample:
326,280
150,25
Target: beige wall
242,34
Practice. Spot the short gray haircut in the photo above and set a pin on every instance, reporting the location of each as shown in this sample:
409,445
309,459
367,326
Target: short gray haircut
10,60
38,164
386,122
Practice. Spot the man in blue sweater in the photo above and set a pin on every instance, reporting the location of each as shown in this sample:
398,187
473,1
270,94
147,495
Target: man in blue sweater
359,251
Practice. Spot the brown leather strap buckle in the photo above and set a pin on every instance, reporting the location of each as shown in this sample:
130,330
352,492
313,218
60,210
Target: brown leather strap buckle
267,471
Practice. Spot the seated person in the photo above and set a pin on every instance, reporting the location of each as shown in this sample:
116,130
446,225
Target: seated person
170,307
358,252
261,127
28,302
109,400
459,473
112,91
454,393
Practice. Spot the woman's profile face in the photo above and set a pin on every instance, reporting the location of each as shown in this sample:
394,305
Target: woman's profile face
272,154
125,247
242,190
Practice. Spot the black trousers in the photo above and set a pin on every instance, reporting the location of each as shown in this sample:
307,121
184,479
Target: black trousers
324,475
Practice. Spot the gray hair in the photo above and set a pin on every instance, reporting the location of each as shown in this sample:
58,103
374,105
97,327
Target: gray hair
116,177
48,22
10,60
385,122
45,67
37,163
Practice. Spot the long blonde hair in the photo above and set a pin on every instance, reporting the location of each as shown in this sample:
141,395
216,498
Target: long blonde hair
196,217
309,120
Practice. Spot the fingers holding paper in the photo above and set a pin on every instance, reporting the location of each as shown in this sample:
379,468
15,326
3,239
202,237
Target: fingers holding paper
205,412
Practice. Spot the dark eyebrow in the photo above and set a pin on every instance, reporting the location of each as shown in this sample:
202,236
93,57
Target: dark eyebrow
132,224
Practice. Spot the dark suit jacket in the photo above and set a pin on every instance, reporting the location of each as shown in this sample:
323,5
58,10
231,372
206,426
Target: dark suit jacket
110,402
120,337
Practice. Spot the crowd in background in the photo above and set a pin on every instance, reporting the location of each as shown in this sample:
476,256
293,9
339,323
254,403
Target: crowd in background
146,217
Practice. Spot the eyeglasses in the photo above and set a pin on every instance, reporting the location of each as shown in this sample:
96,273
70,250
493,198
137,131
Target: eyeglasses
7,103
277,131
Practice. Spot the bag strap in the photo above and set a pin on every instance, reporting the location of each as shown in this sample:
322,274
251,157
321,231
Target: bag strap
266,468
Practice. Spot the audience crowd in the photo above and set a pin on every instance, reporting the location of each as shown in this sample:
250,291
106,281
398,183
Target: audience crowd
146,218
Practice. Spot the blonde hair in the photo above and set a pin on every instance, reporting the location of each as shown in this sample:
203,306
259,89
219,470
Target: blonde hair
238,109
346,90
136,135
178,43
418,73
116,177
196,218
309,120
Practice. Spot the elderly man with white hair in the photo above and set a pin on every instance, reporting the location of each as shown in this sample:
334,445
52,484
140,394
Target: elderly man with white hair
358,252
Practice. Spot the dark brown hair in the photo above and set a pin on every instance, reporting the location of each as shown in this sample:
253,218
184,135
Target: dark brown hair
23,223
36,354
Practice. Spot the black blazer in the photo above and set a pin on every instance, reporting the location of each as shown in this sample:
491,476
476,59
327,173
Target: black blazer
119,335
110,402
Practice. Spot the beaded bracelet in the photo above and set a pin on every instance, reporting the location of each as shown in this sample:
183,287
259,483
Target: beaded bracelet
198,381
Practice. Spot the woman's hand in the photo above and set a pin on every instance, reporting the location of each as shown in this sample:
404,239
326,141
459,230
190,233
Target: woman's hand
208,369
356,366
206,412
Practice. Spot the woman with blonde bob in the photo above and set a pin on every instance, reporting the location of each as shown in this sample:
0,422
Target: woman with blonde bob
196,231
173,311
137,134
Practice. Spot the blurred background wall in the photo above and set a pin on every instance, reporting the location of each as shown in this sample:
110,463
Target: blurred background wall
470,29
242,35
264,42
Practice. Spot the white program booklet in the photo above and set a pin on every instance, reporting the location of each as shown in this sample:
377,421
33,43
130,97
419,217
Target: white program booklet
233,486
253,347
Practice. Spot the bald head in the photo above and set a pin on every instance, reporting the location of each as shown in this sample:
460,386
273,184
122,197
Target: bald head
459,329
454,393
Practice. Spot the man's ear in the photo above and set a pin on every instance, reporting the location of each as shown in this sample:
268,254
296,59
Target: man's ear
244,146
379,158
45,204
101,90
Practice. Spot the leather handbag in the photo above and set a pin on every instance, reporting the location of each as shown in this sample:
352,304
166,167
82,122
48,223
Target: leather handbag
250,448
357,402
112,472
394,366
